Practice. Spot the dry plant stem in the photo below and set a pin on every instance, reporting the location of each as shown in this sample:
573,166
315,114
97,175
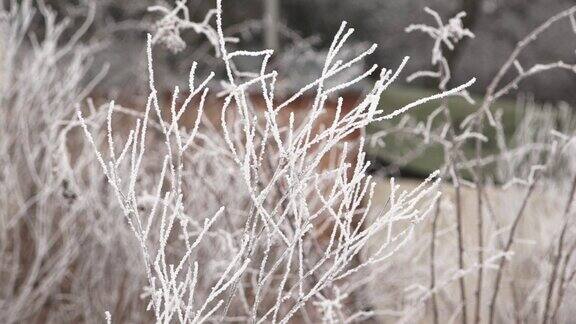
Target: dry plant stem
563,281
457,190
559,253
458,202
505,81
516,303
480,229
492,92
461,280
570,277
510,241
433,262
446,35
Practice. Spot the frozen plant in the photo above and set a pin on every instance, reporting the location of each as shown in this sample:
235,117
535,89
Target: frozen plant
282,233
520,167
56,241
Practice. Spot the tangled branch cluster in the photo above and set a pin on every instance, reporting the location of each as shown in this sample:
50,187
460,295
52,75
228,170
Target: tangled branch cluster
269,260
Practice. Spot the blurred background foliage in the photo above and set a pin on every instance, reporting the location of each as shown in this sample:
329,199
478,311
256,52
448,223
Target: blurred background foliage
305,26
498,25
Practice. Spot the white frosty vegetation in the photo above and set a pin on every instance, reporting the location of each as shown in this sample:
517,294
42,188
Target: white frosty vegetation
240,221
266,213
528,161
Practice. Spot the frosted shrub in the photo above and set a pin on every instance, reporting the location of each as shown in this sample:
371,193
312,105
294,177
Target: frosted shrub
502,273
225,203
53,215
228,217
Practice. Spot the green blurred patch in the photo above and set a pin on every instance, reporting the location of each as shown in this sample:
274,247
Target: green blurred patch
432,158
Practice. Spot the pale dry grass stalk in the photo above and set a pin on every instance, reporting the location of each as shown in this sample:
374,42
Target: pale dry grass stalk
558,255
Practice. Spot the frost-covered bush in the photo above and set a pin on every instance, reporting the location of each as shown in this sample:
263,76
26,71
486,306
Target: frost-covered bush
243,220
248,199
61,254
507,219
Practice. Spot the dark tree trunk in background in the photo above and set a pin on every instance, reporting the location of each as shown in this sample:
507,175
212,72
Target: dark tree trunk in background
271,16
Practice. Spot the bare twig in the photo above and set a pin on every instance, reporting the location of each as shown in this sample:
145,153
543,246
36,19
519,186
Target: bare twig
509,242
559,253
